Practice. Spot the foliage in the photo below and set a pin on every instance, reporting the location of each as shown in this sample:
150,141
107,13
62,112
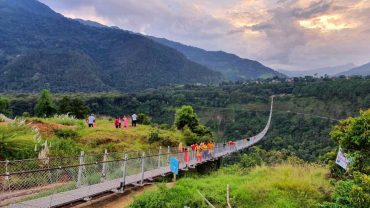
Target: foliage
143,119
238,110
45,105
187,120
154,137
233,67
353,135
66,133
65,147
67,120
351,193
64,55
5,107
275,186
255,156
75,107
186,116
16,142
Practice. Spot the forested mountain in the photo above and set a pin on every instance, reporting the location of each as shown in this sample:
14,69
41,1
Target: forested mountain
230,65
363,70
42,49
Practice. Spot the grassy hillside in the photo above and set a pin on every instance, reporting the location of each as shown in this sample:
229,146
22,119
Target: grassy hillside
282,185
68,136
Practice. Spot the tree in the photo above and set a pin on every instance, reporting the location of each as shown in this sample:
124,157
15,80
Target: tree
45,106
5,107
75,107
185,116
353,136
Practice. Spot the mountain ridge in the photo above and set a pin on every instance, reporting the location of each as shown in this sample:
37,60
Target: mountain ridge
230,65
330,71
121,60
363,70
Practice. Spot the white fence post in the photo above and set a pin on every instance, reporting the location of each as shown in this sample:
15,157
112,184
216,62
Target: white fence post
159,157
142,168
80,169
168,154
104,168
124,166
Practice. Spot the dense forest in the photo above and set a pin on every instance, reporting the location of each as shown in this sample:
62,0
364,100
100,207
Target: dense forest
40,48
303,117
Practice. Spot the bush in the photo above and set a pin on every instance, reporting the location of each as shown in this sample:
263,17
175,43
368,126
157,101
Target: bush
65,147
16,142
154,137
351,193
143,119
66,133
26,115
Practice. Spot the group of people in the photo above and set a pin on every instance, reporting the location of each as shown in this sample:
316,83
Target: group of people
123,121
118,121
203,151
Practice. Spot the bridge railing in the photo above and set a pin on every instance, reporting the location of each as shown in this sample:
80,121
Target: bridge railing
84,171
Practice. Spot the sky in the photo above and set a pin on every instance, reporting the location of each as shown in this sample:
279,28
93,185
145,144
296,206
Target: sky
282,34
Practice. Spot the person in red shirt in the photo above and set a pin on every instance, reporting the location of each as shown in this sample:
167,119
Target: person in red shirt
193,149
116,122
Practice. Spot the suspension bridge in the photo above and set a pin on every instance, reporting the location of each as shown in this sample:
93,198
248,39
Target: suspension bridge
57,182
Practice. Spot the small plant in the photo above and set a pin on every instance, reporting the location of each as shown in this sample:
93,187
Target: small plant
154,137
66,133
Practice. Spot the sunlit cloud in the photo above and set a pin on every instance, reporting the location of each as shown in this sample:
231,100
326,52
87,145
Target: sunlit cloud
327,23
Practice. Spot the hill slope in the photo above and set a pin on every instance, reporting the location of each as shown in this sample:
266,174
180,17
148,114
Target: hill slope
232,66
363,70
262,187
111,59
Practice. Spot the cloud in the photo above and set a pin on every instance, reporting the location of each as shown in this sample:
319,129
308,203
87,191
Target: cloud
295,34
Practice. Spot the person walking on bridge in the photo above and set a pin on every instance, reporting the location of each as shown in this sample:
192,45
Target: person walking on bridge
198,153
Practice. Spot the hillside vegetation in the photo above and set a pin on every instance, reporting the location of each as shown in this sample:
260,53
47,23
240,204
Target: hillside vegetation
230,65
283,185
68,136
42,49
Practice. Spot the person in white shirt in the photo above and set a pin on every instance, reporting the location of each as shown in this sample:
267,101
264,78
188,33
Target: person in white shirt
91,120
134,119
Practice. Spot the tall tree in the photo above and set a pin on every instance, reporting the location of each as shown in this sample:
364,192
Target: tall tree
45,106
353,135
5,107
186,116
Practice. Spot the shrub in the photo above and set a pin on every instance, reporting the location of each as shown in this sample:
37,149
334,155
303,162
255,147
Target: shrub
351,193
143,119
16,142
65,147
66,133
154,137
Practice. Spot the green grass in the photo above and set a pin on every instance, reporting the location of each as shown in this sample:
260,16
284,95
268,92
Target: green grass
69,136
263,187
